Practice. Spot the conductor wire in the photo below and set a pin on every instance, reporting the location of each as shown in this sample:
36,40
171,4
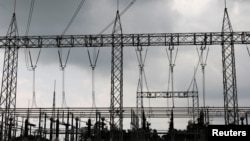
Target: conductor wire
63,67
172,61
73,17
93,61
30,65
122,13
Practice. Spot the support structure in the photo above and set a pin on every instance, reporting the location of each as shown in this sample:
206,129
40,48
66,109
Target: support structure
229,73
158,112
227,38
129,40
142,78
175,94
9,82
116,104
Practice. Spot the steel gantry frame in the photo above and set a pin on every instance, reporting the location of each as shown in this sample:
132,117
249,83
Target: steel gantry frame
128,40
175,94
227,38
158,112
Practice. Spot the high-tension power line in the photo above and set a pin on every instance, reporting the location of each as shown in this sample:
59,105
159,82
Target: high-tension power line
172,61
30,16
93,57
63,64
60,53
31,63
203,62
122,13
117,40
74,16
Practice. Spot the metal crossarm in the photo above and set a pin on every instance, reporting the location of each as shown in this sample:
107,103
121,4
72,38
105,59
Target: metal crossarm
147,39
170,94
158,112
175,94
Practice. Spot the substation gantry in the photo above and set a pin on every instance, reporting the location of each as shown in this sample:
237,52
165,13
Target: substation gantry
227,38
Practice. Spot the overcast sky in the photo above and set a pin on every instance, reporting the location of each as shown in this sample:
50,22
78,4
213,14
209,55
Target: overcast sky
50,17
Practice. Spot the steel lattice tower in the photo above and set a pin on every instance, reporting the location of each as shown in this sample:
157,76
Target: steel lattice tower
116,105
9,82
229,73
139,99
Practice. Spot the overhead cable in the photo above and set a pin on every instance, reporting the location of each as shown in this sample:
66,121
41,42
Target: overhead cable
93,61
63,66
60,54
199,61
123,12
74,16
30,16
248,50
172,62
30,64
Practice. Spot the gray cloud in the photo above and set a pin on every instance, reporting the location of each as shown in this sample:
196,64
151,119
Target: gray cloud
50,17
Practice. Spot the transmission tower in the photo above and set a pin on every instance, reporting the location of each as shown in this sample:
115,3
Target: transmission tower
116,104
229,73
9,81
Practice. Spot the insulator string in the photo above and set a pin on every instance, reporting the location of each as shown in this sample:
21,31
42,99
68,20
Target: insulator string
172,61
93,57
63,65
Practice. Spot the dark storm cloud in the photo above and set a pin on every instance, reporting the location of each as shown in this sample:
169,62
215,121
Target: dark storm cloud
51,17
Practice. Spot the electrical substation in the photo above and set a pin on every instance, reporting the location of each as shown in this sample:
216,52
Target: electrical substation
67,123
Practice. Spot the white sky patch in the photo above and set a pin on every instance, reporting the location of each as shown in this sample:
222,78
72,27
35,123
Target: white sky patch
191,8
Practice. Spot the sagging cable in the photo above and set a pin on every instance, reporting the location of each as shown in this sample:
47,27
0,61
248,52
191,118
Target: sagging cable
63,67
93,61
248,50
172,62
73,17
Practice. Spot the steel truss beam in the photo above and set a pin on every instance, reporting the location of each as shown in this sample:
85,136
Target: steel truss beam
170,94
175,94
115,40
158,112
150,39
